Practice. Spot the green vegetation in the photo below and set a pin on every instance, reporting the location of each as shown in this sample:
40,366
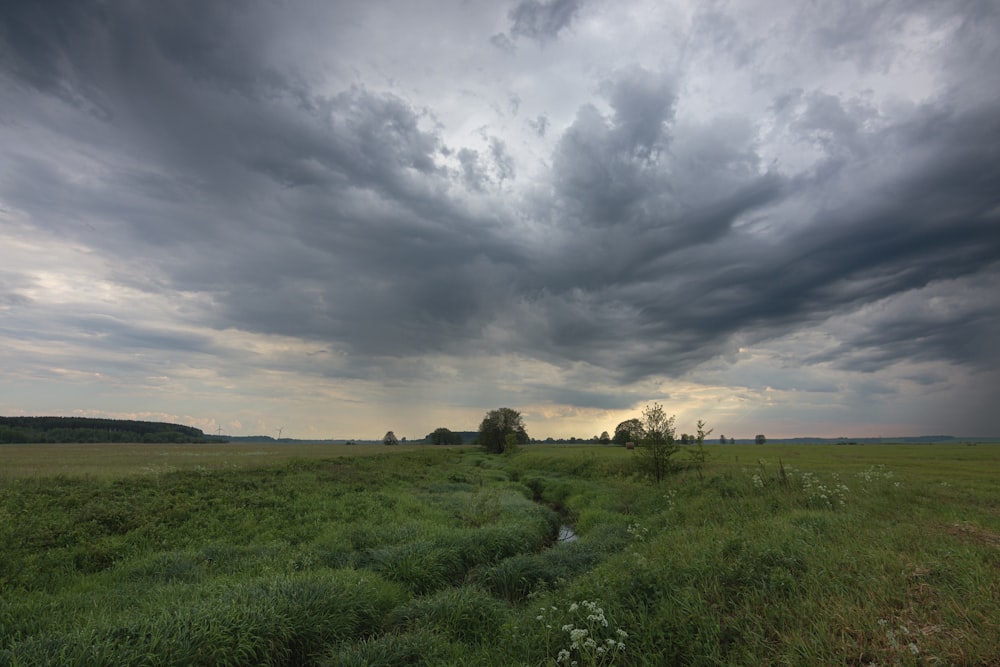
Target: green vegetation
765,554
657,445
86,429
444,436
629,430
502,430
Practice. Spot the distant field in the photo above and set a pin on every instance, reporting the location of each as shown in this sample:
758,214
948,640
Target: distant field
975,463
116,459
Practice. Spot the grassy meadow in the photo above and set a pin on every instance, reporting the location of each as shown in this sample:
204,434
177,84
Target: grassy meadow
365,555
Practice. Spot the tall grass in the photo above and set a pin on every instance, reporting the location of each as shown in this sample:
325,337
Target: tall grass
885,555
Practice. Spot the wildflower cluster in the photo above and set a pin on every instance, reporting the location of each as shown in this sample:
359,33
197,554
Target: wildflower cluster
818,493
591,640
637,532
877,475
822,495
760,477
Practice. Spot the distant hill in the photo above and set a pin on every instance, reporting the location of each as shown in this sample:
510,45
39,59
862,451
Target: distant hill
88,429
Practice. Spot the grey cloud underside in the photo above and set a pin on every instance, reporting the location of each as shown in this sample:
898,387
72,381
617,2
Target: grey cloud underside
542,20
338,218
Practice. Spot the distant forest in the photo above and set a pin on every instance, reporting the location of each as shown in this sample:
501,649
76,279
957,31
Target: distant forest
87,429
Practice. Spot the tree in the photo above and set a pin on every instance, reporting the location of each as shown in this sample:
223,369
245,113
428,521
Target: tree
702,433
760,439
732,441
497,425
629,430
390,438
605,438
722,439
698,453
657,444
444,436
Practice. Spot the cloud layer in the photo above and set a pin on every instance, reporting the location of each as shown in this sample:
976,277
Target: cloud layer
351,216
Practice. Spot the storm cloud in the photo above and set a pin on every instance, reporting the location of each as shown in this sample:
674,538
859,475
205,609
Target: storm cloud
276,209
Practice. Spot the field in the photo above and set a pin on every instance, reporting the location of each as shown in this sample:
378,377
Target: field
366,555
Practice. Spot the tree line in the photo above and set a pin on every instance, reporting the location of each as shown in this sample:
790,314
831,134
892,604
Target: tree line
89,429
653,435
498,424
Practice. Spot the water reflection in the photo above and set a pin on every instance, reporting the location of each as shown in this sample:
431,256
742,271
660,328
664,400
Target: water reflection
566,534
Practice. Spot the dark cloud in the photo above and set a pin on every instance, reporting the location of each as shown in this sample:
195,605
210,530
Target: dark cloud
917,209
503,163
473,174
542,21
540,125
952,321
503,42
720,33
605,168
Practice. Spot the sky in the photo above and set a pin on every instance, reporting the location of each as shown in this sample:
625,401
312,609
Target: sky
333,219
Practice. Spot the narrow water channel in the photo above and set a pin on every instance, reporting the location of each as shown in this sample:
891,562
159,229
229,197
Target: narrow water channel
566,534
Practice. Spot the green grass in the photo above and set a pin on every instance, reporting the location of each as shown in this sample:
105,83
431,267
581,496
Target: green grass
775,554
149,460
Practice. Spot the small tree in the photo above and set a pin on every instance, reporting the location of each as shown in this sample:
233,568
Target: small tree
605,438
390,439
702,433
732,441
497,425
722,439
699,454
760,439
657,445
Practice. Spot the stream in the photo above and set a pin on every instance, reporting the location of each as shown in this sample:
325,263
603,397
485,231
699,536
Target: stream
566,534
